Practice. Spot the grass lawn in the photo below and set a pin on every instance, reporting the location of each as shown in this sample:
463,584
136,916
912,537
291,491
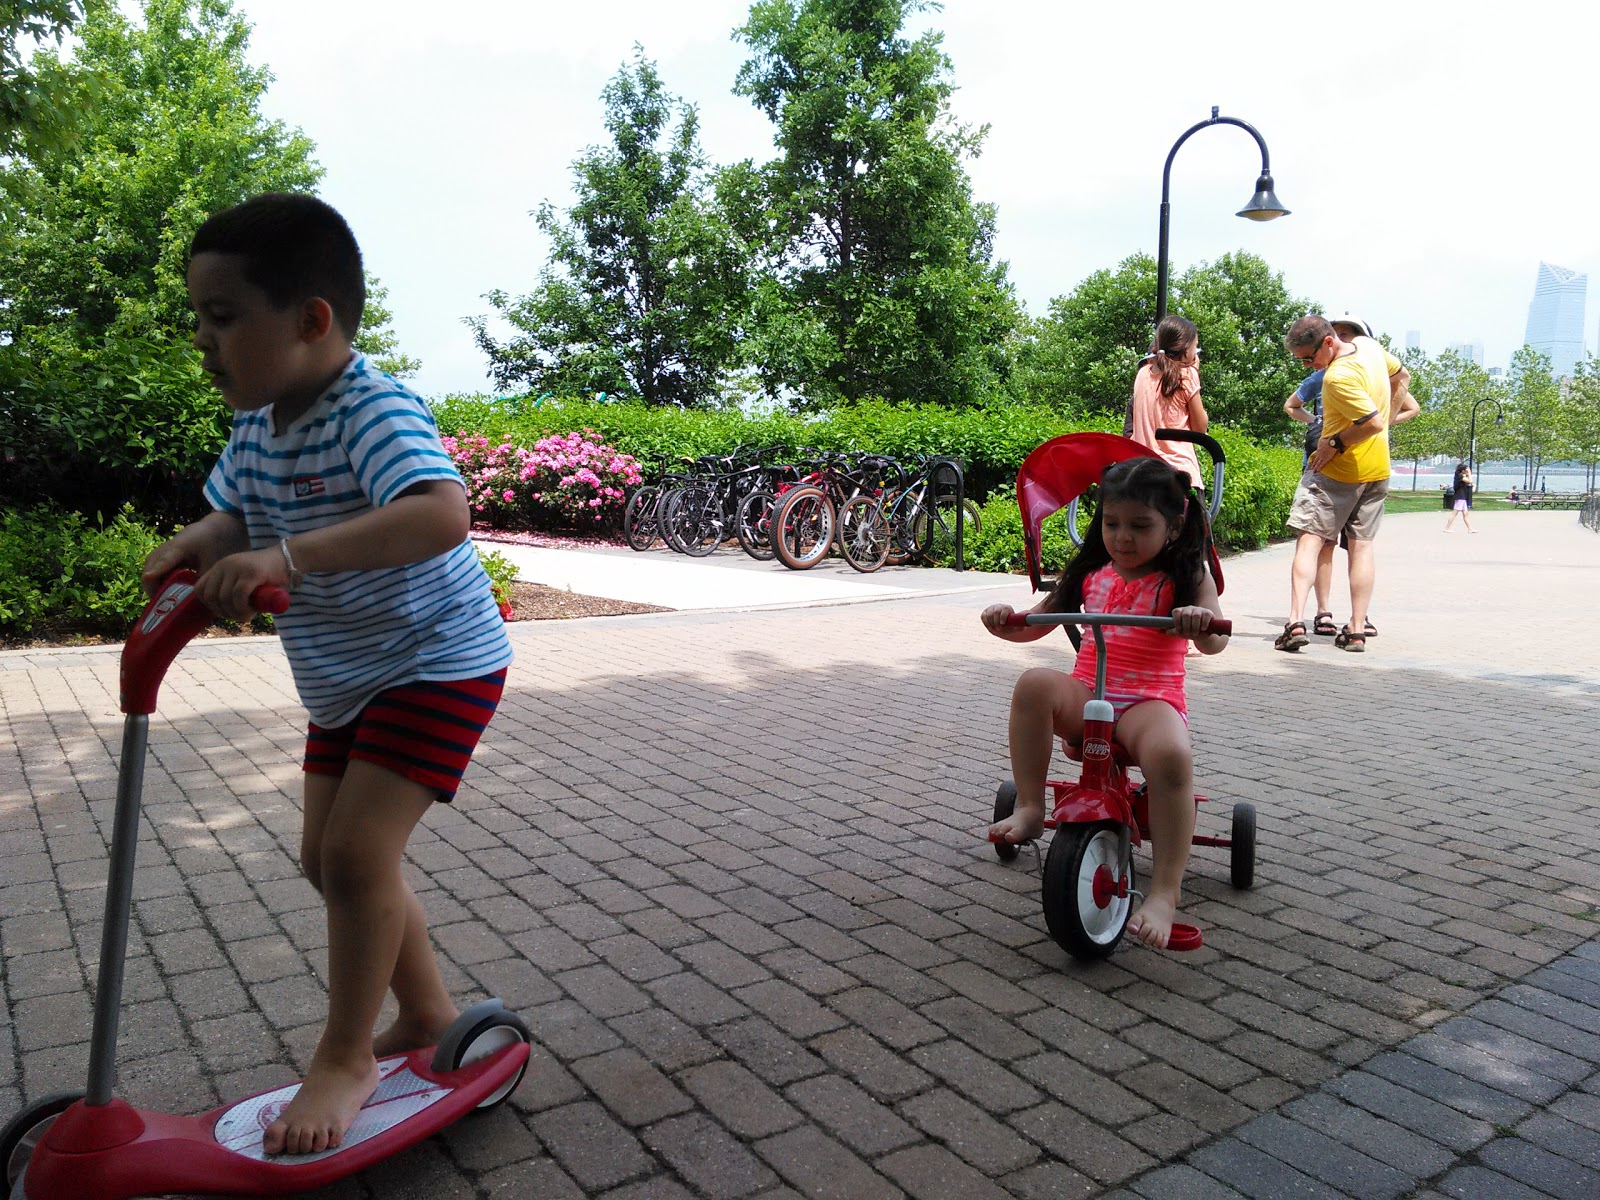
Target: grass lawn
1401,501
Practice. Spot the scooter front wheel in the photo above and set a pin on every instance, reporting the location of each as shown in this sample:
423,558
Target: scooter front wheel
1085,908
484,1029
25,1130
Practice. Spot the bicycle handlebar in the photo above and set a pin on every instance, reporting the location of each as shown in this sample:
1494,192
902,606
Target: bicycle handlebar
1018,620
1218,459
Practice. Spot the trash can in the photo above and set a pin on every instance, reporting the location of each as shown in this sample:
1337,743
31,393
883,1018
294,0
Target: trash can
1449,497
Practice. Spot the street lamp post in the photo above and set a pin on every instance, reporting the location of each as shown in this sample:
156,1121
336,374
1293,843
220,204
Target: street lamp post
1263,206
1472,432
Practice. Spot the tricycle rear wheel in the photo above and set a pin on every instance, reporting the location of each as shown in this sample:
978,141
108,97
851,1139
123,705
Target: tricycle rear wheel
1242,856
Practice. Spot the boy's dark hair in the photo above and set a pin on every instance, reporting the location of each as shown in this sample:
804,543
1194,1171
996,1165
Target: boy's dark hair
293,248
1153,482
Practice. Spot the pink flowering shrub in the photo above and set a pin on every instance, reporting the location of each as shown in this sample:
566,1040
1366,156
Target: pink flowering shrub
567,480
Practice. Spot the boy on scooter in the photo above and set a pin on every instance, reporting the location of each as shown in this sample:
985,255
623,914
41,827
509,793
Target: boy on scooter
334,484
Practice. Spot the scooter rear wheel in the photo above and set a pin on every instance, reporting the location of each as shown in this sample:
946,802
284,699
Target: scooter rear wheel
1084,924
24,1131
484,1029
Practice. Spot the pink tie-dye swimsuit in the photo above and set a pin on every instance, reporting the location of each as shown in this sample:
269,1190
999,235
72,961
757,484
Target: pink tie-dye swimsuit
1141,663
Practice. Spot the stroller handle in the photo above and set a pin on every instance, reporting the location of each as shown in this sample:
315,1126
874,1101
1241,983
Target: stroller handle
1018,620
1218,460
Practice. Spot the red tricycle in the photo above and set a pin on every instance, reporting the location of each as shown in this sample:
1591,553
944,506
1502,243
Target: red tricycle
1099,817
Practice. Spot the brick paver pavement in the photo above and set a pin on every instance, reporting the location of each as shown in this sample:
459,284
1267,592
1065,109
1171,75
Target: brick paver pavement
728,867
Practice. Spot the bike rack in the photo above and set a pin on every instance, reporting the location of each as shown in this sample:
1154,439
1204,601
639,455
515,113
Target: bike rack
951,467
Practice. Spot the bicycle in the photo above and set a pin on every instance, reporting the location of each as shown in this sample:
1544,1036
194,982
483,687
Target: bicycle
833,506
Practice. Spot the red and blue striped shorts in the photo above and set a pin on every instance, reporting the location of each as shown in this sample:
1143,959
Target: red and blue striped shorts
425,732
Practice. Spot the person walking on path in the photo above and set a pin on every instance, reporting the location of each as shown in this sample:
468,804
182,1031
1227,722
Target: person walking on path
334,484
1166,395
1305,406
1346,479
1463,501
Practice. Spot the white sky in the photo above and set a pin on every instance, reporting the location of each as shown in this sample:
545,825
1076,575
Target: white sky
1432,154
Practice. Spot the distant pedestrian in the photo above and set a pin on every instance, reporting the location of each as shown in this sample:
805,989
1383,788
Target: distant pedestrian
1463,500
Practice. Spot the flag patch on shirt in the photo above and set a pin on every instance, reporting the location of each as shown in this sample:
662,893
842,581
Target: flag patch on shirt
308,485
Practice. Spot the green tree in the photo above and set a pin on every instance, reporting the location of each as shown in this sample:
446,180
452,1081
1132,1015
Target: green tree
881,281
1534,414
1085,352
32,108
1417,438
646,286
1581,408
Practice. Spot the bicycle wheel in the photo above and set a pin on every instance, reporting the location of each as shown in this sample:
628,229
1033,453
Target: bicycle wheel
639,521
934,529
901,512
864,534
754,526
694,520
802,528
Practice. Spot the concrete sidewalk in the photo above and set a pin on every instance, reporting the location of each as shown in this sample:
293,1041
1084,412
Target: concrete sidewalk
728,578
728,865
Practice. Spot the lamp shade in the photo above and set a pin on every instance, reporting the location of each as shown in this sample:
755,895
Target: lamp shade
1264,205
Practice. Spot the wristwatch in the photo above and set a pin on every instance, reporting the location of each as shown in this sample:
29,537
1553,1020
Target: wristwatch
1337,443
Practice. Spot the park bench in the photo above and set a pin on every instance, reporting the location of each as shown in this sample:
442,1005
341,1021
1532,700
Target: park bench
1552,500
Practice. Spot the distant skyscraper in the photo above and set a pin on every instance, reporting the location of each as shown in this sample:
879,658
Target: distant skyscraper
1555,318
1472,351
1413,339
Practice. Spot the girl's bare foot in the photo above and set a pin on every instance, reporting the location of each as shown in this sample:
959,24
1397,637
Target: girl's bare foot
323,1108
412,1033
1152,924
1024,825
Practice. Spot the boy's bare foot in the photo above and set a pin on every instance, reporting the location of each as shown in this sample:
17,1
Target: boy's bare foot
1152,924
412,1033
323,1108
1023,825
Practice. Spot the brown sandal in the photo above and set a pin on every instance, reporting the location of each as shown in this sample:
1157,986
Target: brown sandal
1289,639
1323,626
1356,643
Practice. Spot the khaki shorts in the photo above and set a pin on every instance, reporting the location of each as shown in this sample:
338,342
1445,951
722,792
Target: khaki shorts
1326,508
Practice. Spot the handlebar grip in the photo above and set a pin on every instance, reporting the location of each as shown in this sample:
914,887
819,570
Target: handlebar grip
269,598
1019,620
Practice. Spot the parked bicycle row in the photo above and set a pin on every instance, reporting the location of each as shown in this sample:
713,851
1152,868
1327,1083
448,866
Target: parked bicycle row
797,504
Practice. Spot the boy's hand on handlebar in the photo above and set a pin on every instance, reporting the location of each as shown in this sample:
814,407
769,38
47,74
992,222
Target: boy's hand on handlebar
226,588
163,561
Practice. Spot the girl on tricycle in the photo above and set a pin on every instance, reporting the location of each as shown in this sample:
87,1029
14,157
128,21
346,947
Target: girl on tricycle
1144,554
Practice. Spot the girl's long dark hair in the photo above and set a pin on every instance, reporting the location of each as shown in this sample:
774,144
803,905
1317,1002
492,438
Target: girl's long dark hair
1461,470
1152,482
1174,336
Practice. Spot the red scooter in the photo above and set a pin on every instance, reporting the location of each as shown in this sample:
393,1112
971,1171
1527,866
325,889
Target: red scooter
91,1146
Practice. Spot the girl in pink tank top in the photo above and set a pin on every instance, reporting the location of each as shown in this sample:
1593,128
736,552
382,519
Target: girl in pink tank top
1144,553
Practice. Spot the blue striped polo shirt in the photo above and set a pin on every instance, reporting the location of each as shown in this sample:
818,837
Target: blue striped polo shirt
352,634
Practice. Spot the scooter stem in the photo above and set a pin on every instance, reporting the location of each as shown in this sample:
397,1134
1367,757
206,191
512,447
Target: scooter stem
119,908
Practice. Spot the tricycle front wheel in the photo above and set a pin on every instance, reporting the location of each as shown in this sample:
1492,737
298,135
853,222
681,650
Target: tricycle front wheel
1086,920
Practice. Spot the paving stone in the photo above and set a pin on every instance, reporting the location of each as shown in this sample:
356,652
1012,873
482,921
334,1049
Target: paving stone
933,1173
1528,1163
627,1084
707,1157
820,1168
968,1131
590,1145
1323,1158
1255,1174
737,1099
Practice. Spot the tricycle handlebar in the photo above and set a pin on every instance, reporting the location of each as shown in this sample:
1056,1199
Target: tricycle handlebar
1018,620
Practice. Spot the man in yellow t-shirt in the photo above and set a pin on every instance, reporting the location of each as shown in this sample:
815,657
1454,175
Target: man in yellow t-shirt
1347,477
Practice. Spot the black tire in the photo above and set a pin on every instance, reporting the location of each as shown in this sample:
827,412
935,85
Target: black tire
754,526
802,527
23,1131
1079,926
693,520
1005,803
899,513
864,534
640,523
482,1030
1242,856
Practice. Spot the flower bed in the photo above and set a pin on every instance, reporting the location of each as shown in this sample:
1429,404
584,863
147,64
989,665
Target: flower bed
565,481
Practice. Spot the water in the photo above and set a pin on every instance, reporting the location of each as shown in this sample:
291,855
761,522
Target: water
1489,477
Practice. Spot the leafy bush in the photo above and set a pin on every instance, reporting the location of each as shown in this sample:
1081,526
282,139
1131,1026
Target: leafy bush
502,573
60,567
126,417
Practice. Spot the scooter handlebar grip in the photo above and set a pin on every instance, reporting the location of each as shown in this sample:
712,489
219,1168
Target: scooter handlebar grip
269,598
1220,625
